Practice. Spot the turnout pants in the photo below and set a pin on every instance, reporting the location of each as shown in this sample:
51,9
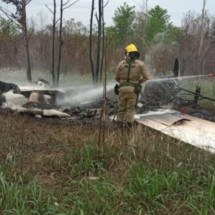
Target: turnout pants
126,106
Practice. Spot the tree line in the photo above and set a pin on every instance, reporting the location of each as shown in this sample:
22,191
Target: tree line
67,46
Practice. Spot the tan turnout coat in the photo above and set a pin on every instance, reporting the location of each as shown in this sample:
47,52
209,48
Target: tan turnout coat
127,98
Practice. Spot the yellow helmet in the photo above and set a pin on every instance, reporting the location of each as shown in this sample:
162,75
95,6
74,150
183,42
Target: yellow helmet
131,48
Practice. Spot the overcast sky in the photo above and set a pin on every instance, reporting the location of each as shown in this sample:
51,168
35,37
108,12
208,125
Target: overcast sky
81,10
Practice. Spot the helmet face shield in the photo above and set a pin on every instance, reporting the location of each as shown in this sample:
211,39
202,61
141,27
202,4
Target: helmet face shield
134,55
131,52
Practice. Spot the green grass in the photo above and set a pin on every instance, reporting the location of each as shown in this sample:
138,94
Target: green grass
19,198
133,175
57,167
207,89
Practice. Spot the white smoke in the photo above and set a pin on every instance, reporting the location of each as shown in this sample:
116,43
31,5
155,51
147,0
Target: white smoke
83,94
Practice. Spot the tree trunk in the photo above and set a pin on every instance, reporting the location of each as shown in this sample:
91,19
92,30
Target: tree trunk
102,39
25,34
201,38
91,43
53,44
60,42
99,35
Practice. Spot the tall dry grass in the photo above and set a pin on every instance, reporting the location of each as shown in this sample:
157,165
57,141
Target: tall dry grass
50,166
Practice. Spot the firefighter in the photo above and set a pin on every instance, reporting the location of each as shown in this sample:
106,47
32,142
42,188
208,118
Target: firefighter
130,74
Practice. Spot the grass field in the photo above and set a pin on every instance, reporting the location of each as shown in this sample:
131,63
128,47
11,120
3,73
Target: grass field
52,166
207,86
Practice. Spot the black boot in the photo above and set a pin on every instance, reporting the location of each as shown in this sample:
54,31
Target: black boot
120,125
129,126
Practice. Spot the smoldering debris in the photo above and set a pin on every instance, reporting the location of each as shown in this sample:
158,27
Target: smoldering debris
72,103
91,109
86,102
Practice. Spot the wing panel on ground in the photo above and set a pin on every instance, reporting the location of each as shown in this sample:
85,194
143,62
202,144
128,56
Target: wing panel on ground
195,131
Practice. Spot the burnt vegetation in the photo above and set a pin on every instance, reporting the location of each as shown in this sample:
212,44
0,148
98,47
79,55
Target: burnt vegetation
159,43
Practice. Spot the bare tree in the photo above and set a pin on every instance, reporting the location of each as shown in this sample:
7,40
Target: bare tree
201,27
100,58
20,18
53,41
196,44
63,6
96,67
201,40
100,44
60,42
91,41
